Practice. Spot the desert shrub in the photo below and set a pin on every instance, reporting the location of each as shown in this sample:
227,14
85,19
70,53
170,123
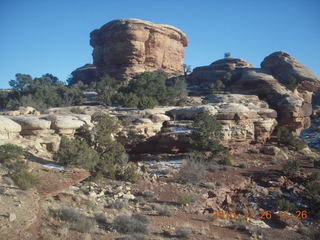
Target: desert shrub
83,225
284,205
129,225
96,150
10,153
106,88
140,217
11,156
74,152
285,137
24,180
2,190
77,220
183,232
226,160
118,204
77,110
185,198
148,194
68,214
101,218
207,136
192,171
164,211
292,168
135,236
128,173
147,102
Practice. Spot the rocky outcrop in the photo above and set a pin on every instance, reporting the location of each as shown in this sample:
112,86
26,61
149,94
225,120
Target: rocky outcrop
286,85
86,74
40,133
244,119
292,110
67,124
126,47
22,111
288,71
223,70
8,129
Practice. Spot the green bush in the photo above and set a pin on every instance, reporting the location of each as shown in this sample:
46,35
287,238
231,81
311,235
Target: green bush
9,153
75,152
41,93
150,89
11,156
285,137
206,138
96,150
292,168
284,205
25,180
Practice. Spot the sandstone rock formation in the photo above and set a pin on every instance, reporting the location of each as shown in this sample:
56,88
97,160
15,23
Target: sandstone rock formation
86,74
284,83
40,133
8,129
288,70
125,47
244,119
222,69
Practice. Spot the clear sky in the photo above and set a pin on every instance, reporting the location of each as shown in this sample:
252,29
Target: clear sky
52,36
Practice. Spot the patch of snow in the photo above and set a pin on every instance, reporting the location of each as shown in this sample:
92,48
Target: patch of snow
52,165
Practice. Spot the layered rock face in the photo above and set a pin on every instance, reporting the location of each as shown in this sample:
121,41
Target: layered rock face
41,133
281,81
126,47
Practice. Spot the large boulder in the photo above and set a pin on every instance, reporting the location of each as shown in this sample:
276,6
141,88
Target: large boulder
290,72
126,47
8,129
33,125
68,124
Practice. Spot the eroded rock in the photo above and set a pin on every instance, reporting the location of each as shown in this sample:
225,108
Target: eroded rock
126,47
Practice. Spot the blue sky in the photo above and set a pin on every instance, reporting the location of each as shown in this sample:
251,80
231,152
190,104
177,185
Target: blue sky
43,36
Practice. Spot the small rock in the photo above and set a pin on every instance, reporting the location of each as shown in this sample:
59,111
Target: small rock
270,150
12,217
128,196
